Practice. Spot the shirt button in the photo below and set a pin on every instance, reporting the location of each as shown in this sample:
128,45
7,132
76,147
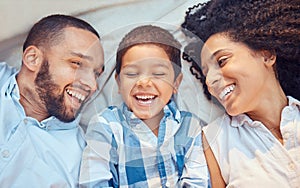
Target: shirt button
168,184
292,166
5,153
286,135
25,121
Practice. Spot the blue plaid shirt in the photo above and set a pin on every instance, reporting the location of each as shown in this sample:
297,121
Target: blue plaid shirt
123,152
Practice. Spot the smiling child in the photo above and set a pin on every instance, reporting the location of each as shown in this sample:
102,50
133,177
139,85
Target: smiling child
147,141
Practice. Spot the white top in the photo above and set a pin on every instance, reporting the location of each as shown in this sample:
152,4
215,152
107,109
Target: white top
250,156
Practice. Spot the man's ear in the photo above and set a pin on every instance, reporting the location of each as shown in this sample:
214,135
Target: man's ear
269,57
177,82
32,58
117,78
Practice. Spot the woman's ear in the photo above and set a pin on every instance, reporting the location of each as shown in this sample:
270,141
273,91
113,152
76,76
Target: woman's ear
32,58
177,82
269,58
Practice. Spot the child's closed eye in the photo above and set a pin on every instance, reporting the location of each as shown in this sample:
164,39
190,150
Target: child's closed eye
159,74
131,74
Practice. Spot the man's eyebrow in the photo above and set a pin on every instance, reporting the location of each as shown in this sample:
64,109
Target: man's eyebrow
82,56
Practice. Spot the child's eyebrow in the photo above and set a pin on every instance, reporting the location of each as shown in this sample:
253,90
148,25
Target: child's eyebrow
161,64
156,64
130,66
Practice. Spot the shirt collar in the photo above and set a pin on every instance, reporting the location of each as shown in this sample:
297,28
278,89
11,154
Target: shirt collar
52,123
293,102
239,120
12,88
242,119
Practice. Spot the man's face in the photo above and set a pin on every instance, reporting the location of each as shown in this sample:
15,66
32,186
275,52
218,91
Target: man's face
67,77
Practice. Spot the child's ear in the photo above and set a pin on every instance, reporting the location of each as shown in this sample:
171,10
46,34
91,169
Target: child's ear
177,82
269,58
117,78
32,58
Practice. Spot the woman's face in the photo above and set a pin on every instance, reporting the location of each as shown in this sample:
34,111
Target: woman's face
236,75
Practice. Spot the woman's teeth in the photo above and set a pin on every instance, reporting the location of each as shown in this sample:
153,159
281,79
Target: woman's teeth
226,91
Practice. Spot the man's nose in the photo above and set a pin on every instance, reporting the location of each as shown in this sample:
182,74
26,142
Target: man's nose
88,79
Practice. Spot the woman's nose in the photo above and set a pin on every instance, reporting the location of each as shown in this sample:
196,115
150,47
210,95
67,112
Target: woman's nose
213,77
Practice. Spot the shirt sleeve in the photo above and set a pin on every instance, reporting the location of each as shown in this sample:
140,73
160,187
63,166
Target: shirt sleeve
99,160
195,172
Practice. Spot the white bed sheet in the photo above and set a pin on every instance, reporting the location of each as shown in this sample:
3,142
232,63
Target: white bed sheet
113,20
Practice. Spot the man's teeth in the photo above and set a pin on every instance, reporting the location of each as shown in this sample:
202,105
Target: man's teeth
79,96
145,97
226,91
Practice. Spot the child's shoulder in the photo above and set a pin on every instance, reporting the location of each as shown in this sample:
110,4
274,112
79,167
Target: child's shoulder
191,116
108,114
191,123
106,121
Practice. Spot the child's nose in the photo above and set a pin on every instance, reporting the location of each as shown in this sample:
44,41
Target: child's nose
144,81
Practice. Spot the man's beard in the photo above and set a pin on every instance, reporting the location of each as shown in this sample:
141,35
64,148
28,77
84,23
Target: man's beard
47,90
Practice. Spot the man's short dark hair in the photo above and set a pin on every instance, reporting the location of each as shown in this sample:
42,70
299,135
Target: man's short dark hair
48,31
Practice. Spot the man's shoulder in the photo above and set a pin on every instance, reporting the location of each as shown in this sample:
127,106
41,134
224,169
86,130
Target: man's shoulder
5,72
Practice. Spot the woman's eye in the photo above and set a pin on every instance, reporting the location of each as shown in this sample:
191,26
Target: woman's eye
98,74
222,61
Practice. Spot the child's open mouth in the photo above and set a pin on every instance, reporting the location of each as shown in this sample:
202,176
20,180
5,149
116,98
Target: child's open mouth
145,99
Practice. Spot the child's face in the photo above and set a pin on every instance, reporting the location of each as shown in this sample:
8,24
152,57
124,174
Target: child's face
146,81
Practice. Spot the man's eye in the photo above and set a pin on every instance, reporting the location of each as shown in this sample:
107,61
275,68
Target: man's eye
78,63
98,72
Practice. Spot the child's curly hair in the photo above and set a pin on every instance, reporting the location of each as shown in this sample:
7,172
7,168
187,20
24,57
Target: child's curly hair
272,25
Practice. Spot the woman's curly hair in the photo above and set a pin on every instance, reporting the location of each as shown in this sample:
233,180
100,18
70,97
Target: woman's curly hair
272,25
